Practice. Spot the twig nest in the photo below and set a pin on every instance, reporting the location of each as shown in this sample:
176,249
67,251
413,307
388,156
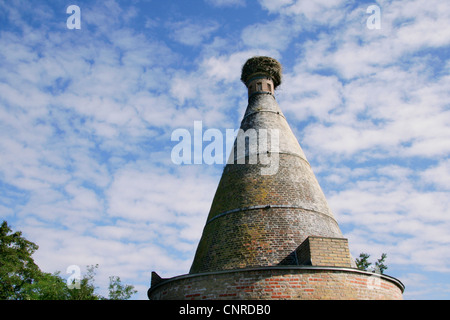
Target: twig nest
262,66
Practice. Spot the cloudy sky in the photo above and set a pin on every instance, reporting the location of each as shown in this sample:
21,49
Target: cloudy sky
86,117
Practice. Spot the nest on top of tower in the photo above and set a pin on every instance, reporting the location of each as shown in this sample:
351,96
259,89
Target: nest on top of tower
261,65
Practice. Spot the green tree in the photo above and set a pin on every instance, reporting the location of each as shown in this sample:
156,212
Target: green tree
21,278
17,267
362,263
87,287
380,263
47,286
118,291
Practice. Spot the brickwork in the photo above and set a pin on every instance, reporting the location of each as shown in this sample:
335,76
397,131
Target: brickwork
323,251
270,284
258,237
263,112
260,84
294,184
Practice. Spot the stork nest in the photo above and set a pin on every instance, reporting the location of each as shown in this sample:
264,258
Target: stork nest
262,65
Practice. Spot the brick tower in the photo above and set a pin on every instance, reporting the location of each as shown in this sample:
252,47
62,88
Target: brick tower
270,233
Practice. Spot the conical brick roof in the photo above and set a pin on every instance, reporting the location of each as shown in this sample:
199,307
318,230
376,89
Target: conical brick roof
263,210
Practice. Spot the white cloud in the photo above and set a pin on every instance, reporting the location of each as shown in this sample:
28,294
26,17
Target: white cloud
225,68
438,175
192,33
310,94
135,194
387,212
272,35
396,111
311,12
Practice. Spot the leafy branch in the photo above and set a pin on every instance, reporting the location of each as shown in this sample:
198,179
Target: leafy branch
362,263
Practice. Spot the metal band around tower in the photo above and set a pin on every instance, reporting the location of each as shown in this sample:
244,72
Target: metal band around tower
268,206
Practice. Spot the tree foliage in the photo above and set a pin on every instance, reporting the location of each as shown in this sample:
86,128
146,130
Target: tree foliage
362,263
379,265
17,267
21,278
118,291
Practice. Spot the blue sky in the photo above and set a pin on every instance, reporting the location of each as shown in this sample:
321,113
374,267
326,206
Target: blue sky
86,117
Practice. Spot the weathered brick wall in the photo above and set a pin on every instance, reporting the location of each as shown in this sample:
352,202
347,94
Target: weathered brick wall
323,251
260,84
263,112
268,284
242,185
258,237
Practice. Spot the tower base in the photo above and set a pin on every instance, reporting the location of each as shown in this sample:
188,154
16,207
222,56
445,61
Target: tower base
278,282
